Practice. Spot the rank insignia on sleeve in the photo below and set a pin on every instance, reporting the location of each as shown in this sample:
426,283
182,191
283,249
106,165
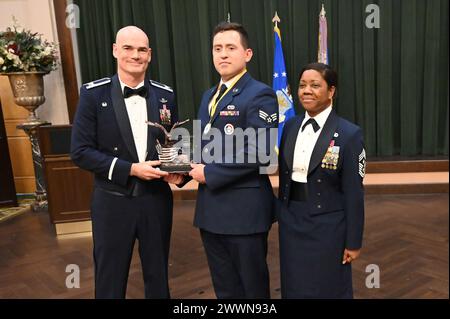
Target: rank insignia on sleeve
362,163
331,158
164,115
269,119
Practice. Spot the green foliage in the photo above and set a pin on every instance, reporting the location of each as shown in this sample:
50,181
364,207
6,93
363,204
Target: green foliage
24,51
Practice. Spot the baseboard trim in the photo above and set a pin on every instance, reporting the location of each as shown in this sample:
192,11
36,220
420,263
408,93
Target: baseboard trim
75,229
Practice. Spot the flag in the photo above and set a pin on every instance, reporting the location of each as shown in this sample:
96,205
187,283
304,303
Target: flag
280,82
322,54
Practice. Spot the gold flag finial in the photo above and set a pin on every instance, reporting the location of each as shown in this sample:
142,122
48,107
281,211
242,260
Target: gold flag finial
322,12
276,19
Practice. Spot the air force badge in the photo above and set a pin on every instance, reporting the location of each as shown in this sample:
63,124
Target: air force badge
229,129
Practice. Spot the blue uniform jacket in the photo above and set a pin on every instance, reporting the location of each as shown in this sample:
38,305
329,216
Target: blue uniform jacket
102,131
237,199
330,190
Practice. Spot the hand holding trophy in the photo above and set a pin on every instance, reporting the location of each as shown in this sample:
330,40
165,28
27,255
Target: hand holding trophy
171,156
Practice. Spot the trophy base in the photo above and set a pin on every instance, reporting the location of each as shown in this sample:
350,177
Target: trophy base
176,168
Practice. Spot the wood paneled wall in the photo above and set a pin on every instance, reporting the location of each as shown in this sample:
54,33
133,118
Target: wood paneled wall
18,142
7,188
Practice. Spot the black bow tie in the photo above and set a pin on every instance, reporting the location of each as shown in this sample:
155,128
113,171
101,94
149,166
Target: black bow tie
127,92
314,124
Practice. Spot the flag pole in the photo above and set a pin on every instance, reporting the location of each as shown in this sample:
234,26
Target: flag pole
322,52
280,83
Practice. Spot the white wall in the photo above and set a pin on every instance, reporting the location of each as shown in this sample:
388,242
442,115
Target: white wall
38,16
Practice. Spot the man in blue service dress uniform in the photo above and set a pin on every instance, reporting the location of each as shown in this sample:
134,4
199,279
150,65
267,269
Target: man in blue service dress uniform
234,202
131,197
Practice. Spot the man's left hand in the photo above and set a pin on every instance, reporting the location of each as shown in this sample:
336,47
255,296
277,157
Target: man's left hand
198,173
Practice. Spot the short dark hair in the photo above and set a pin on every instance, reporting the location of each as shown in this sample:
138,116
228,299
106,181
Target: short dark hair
328,74
233,26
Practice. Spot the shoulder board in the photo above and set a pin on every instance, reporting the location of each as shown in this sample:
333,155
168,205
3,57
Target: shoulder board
96,83
161,86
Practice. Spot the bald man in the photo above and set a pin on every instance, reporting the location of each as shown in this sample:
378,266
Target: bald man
131,199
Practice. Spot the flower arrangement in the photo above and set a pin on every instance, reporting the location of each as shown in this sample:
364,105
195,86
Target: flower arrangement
25,51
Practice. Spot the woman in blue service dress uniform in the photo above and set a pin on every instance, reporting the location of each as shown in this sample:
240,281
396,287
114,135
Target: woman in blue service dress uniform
321,195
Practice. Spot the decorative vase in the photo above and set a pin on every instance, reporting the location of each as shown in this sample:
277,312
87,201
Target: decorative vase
28,91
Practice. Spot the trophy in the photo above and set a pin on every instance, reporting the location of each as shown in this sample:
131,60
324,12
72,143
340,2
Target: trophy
173,158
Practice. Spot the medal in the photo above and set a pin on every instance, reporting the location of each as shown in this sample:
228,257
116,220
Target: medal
164,115
331,158
207,128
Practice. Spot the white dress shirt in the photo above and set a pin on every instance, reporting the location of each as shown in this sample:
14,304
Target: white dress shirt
304,145
137,113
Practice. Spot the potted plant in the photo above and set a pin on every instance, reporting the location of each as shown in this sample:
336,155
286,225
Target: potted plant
25,57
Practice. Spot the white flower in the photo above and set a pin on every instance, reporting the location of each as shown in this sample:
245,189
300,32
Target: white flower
33,57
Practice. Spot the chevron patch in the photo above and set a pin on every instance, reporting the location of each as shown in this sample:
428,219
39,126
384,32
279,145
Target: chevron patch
362,163
269,119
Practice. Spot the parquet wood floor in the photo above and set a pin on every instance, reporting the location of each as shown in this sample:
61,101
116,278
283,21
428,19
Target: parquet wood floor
405,235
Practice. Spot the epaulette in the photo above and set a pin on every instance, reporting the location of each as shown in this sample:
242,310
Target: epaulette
161,86
96,83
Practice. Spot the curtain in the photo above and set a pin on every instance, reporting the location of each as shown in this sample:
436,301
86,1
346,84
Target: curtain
393,80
